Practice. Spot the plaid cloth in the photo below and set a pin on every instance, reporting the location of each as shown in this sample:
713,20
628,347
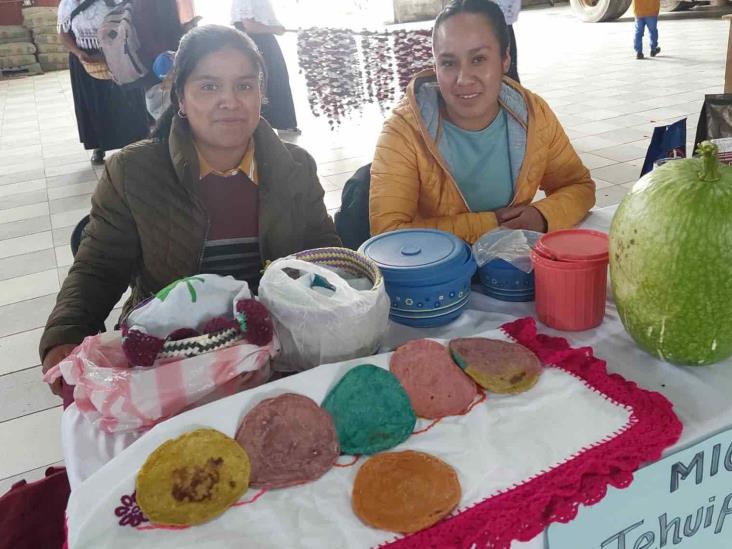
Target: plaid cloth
117,398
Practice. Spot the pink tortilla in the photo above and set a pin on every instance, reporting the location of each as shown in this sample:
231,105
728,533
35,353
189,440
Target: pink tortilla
290,440
435,385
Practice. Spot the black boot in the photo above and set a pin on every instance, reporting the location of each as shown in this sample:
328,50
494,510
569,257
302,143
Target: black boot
97,157
655,52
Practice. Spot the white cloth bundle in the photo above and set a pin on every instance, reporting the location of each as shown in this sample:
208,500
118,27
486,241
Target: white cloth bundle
188,303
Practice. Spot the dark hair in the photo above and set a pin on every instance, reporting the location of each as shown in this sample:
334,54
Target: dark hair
490,10
194,46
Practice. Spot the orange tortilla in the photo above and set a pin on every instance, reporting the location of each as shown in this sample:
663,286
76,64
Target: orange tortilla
404,491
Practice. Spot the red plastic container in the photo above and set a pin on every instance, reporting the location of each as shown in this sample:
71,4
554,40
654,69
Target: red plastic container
570,270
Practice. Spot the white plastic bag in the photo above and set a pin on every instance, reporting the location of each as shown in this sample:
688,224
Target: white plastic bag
157,100
511,245
319,317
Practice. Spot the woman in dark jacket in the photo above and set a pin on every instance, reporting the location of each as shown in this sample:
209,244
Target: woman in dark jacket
216,191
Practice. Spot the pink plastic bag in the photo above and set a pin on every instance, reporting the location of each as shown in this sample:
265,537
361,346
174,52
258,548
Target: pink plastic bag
117,398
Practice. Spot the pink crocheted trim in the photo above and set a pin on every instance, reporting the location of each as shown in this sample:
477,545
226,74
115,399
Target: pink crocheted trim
523,512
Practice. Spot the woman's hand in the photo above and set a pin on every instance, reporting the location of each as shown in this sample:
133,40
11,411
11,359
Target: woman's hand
68,40
53,357
521,217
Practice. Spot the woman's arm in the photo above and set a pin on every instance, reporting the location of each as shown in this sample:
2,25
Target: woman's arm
67,39
395,191
102,267
570,191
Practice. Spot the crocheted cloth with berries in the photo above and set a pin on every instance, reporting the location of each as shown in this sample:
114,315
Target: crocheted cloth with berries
524,511
192,316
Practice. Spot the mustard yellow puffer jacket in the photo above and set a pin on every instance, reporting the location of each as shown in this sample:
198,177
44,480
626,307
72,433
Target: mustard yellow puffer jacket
412,187
646,8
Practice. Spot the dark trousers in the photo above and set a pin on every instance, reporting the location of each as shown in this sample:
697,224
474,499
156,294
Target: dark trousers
108,116
280,109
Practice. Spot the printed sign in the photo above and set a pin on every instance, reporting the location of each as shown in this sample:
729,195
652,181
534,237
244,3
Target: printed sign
683,501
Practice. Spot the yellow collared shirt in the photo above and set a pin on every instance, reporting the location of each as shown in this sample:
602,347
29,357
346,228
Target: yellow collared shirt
248,166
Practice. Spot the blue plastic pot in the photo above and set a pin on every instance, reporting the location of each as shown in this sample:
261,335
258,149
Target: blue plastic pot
426,272
502,280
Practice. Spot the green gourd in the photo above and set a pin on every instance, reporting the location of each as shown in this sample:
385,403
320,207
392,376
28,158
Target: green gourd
671,260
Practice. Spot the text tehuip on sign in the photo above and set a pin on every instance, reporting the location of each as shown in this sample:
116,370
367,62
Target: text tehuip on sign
683,501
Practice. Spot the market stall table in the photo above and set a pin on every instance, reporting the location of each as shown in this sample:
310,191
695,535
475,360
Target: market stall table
700,395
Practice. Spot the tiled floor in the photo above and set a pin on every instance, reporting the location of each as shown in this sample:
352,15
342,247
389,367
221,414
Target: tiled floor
607,101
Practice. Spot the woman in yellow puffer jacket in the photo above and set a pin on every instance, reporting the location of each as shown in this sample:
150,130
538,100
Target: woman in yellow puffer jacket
467,149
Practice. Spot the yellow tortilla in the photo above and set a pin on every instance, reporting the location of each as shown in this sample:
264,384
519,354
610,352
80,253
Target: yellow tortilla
193,478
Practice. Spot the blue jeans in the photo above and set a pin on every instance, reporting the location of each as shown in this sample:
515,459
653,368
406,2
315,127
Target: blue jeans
640,24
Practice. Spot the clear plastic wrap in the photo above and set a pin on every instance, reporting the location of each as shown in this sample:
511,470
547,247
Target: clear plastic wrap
116,398
321,317
511,245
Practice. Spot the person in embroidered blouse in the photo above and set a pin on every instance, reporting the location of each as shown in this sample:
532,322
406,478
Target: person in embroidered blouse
215,191
467,150
108,116
258,20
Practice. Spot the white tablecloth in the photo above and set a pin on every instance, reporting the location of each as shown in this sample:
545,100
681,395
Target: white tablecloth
498,446
701,396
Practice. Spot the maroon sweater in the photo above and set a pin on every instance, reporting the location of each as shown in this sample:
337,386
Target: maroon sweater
232,244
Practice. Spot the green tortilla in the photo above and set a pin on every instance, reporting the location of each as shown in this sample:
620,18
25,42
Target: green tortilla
371,410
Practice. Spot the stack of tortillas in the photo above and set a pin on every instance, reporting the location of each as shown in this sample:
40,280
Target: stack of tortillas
499,366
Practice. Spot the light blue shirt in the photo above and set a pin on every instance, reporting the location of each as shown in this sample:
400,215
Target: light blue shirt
480,163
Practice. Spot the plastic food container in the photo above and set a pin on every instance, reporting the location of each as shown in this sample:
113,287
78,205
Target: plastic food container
503,259
426,273
501,280
570,269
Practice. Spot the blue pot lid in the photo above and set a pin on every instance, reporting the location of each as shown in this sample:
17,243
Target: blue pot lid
410,251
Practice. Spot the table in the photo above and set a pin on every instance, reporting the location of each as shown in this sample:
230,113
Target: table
700,395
